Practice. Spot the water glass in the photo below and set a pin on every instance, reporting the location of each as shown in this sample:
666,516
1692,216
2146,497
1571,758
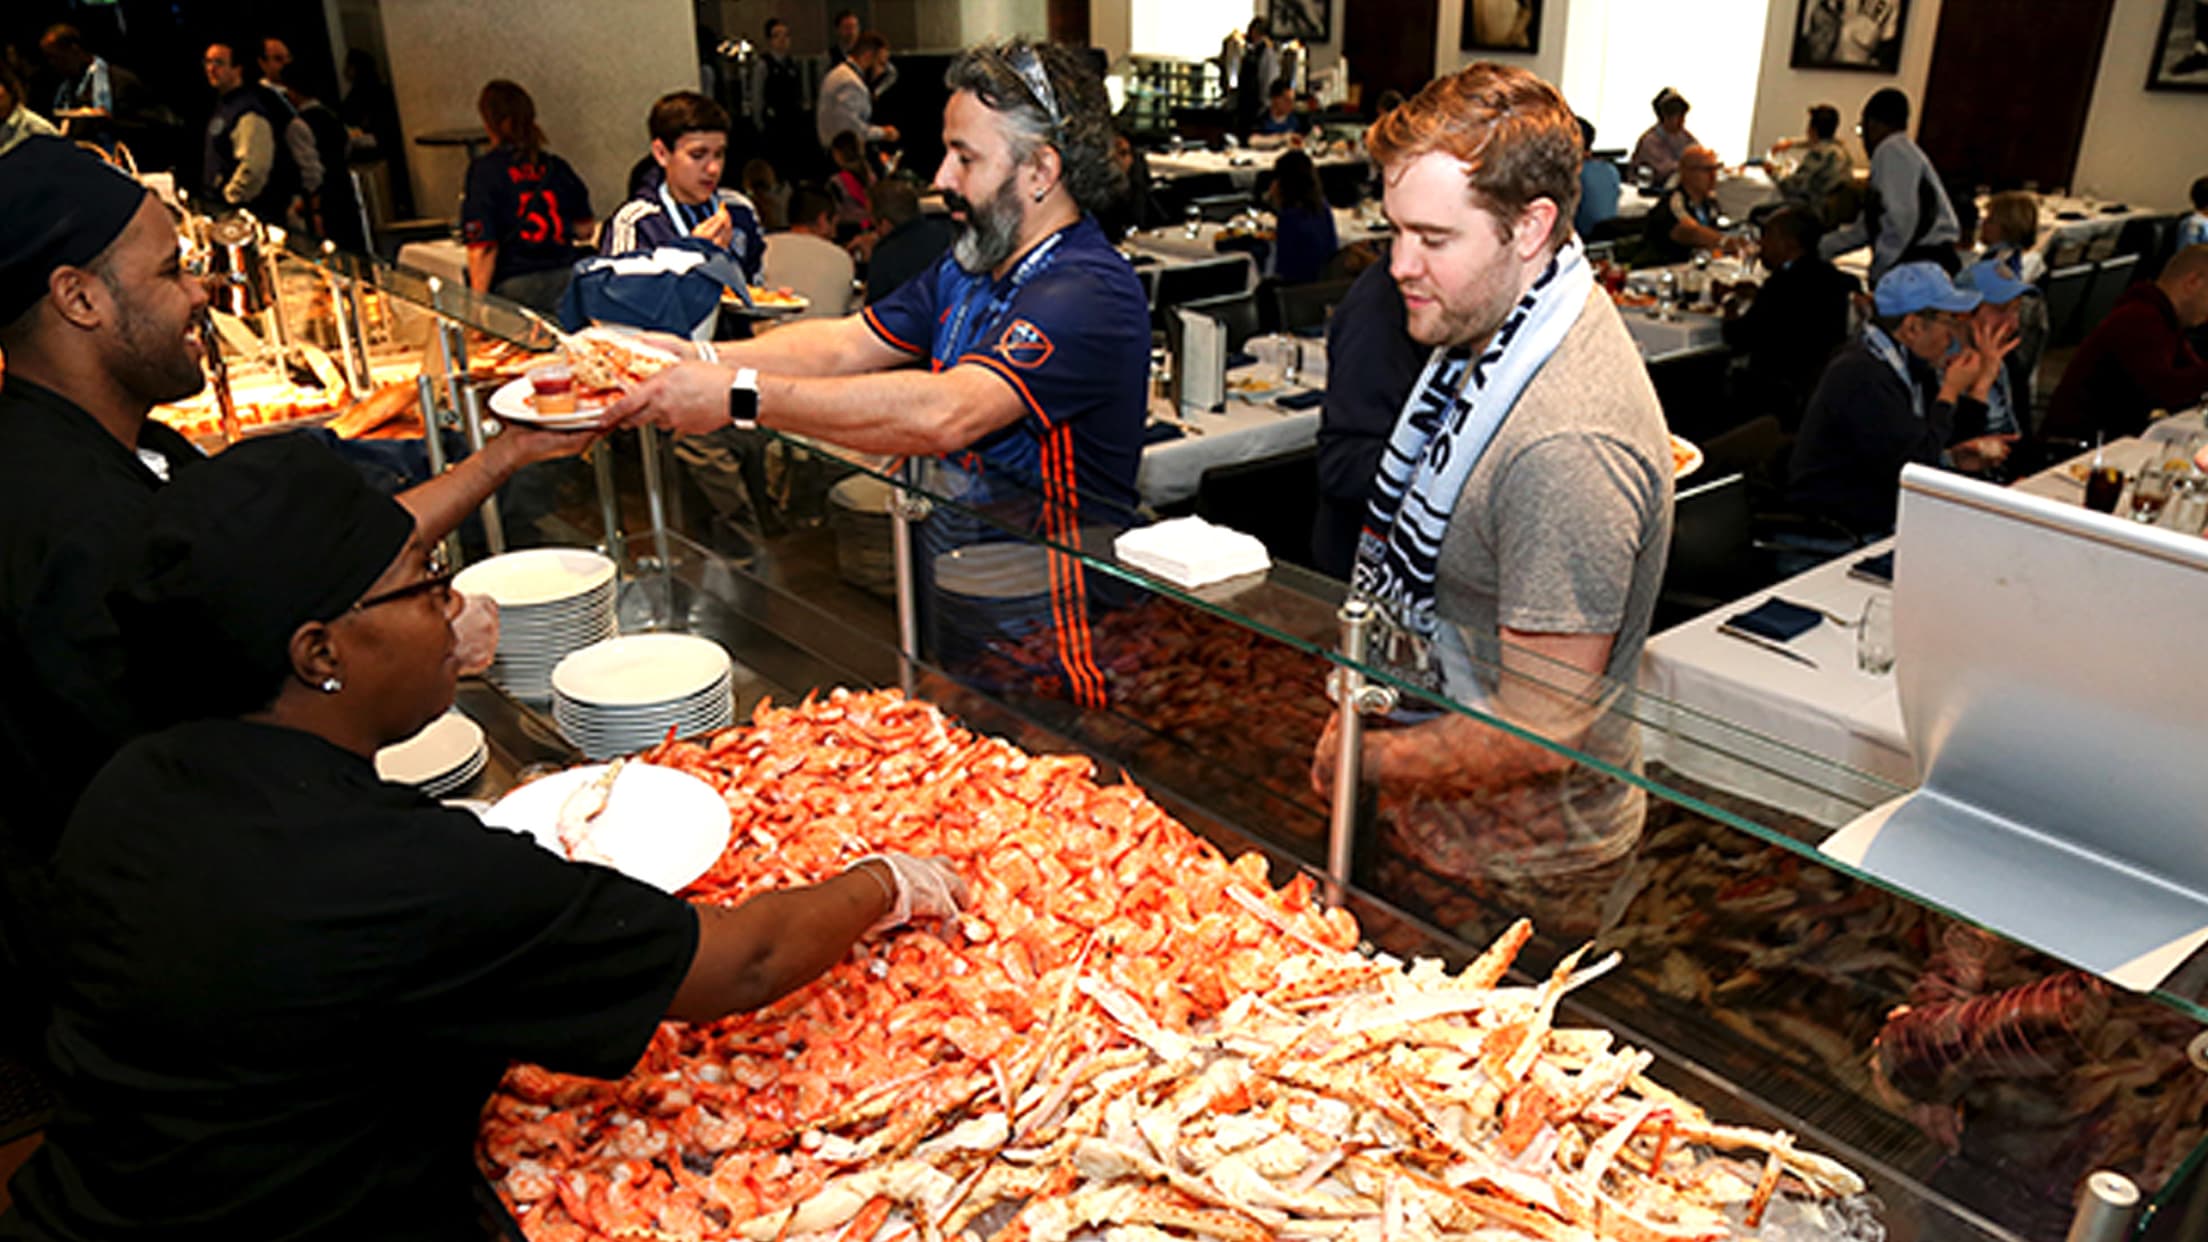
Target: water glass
1193,220
2150,490
2187,511
1874,635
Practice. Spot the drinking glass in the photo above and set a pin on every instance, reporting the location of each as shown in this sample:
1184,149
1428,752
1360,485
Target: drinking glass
2104,483
1874,635
1192,220
2150,490
2187,511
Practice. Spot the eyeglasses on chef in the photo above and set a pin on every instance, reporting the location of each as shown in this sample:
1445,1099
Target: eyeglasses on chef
438,581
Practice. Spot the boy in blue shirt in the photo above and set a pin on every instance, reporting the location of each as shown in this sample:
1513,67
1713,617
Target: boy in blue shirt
684,197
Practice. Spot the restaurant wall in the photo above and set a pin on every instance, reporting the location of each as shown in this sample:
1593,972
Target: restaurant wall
2140,146
1546,63
1785,94
593,68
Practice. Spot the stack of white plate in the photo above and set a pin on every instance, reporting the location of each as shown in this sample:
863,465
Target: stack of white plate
551,601
623,694
444,756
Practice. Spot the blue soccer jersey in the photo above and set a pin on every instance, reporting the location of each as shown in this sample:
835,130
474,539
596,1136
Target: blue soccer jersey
1068,330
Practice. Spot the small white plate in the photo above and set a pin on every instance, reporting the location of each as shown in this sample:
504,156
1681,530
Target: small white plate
641,670
1688,463
536,576
511,402
660,826
443,747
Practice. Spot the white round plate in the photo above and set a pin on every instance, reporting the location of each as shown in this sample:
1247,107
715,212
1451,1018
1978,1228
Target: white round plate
511,402
536,576
641,670
660,826
443,747
1684,464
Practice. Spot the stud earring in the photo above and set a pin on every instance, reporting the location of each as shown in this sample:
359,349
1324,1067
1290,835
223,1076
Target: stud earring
331,685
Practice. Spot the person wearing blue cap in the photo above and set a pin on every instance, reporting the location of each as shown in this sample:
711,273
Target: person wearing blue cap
2010,306
1896,395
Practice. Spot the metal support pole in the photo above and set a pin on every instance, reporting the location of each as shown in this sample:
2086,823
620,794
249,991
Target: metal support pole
1353,699
218,363
452,342
905,508
352,342
609,501
2108,1206
433,445
471,424
655,498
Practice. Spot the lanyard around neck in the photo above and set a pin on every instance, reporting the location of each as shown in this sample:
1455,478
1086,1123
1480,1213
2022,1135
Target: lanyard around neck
964,328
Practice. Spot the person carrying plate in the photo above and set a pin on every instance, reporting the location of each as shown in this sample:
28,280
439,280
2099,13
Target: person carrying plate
288,986
100,322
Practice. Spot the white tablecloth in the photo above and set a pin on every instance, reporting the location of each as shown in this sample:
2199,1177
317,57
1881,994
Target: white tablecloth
1171,243
442,258
1243,166
1245,431
1738,193
1731,696
2058,233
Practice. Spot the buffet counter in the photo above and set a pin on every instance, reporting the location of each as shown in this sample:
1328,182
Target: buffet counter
1778,989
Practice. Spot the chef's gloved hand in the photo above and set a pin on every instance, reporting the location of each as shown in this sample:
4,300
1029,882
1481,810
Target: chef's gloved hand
920,888
475,634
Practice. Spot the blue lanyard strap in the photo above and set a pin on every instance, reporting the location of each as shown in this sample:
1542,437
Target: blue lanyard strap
964,329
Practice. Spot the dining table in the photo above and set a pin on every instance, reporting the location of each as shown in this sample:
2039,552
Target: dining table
1242,165
1249,426
1804,727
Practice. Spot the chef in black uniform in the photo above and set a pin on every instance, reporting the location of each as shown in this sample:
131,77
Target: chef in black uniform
97,325
287,988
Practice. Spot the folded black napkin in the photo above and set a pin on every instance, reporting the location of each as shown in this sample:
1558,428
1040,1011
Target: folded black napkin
1240,359
1312,331
1879,568
1300,400
2071,215
1159,433
1776,620
1141,260
2114,209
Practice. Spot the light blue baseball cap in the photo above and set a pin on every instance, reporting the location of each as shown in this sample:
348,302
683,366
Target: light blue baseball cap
1913,287
1997,280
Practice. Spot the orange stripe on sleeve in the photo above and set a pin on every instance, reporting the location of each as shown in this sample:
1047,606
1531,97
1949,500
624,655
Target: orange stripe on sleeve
890,338
997,367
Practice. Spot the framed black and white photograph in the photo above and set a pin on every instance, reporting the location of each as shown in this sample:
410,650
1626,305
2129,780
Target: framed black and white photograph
1501,26
2180,48
1863,35
1309,20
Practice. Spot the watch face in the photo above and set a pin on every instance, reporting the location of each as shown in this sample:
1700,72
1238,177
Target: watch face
743,405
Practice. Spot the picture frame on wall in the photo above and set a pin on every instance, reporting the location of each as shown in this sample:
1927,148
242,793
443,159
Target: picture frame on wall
2180,48
1859,35
1501,26
1312,21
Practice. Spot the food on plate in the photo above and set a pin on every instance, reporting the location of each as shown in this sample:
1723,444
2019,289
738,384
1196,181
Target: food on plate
1125,1028
783,296
552,389
581,810
1684,456
608,363
1632,300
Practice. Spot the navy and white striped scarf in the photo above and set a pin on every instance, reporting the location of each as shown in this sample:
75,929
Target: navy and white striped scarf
1452,416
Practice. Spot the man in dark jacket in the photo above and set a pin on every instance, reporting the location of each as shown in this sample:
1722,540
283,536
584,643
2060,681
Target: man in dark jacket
247,162
2137,360
1896,395
1790,327
908,240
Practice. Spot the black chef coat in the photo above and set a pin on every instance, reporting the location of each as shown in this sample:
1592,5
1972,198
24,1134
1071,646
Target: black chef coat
288,989
72,499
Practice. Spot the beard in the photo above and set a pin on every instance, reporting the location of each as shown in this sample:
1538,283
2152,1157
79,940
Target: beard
152,359
990,230
1473,316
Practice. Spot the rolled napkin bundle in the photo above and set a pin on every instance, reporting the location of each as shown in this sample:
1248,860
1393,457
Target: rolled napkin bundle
1880,568
1777,620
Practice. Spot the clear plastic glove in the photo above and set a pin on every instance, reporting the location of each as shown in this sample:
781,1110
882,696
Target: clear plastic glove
475,634
922,888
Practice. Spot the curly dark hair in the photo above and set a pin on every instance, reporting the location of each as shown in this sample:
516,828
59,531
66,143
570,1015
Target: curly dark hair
1082,131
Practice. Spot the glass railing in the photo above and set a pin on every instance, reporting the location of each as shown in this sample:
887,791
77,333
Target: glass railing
1986,1075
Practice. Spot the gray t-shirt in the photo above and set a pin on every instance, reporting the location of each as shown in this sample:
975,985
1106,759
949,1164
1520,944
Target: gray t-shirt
1562,528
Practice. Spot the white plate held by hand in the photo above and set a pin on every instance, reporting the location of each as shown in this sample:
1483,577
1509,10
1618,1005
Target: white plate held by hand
660,826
